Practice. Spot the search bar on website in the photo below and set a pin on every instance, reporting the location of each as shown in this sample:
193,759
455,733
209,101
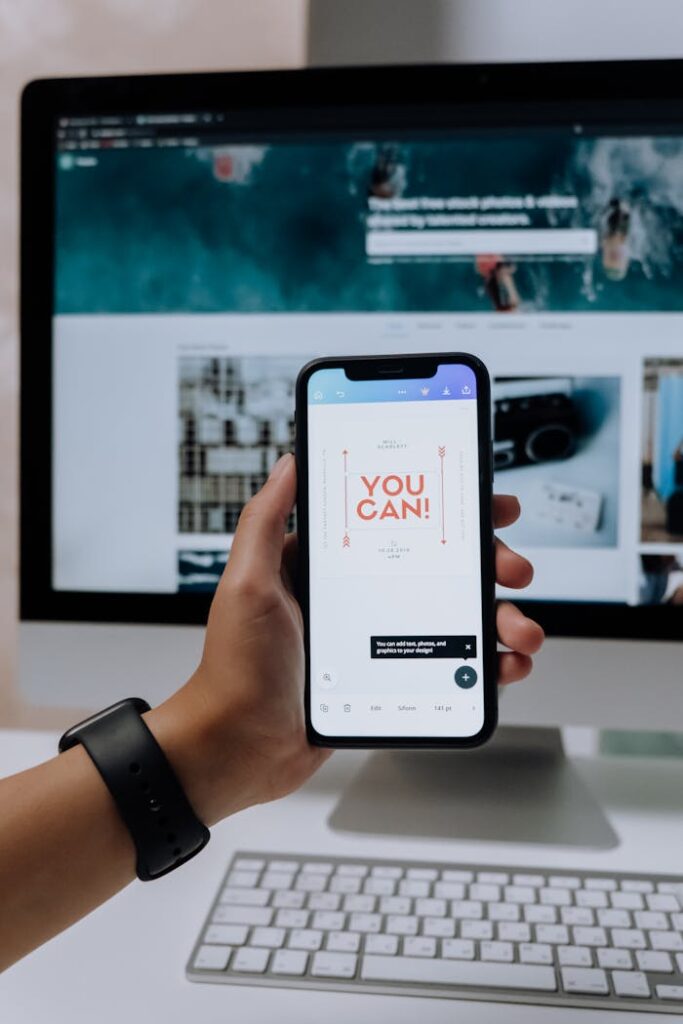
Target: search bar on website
505,242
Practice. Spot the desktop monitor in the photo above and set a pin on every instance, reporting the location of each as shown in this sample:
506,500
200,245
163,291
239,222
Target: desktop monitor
189,241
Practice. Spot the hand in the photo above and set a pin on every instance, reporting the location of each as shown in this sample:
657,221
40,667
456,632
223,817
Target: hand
235,733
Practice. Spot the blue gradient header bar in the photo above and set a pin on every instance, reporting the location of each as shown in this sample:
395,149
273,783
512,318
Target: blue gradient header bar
451,382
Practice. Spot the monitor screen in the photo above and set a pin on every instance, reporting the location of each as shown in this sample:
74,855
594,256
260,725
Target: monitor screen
196,270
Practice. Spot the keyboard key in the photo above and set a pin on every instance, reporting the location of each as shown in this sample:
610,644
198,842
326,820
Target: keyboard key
289,961
574,956
419,945
395,904
672,941
651,919
242,915
287,866
361,903
555,934
430,907
387,871
440,927
649,960
401,924
628,938
212,958
328,920
476,930
245,897
469,909
311,883
519,894
345,884
453,972
276,880
343,942
493,877
584,916
486,893
410,887
352,870
535,881
292,918
250,961
457,876
537,914
247,879
535,953
365,922
270,937
422,874
226,934
289,899
679,962
591,898
382,944
501,952
636,885
555,897
626,900
630,985
334,965
504,911
305,938
585,980
604,884
386,945
248,864
316,867
590,936
449,890
379,886
615,959
324,901
457,949
615,918
564,882
670,992
511,931
676,922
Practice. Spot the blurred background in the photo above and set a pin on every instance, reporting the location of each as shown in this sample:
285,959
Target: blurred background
42,38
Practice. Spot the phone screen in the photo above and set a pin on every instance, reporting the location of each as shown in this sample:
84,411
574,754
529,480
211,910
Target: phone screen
395,582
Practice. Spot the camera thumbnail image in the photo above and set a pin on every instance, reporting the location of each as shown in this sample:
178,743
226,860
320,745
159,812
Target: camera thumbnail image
661,579
556,446
236,420
662,466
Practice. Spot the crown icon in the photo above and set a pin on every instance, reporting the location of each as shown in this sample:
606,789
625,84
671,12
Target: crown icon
424,391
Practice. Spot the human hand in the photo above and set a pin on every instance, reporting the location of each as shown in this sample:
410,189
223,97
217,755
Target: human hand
235,733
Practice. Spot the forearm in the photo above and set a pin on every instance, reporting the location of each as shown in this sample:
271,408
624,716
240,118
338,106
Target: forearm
63,851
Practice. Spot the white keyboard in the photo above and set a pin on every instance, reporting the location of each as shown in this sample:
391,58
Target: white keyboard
459,931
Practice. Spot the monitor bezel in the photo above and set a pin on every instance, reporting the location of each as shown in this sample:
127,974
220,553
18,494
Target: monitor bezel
608,93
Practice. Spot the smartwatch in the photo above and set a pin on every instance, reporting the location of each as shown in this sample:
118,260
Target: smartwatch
164,828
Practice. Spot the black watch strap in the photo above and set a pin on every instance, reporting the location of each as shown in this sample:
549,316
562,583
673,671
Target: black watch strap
149,798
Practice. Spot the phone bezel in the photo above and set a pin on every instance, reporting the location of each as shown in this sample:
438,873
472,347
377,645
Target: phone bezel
406,367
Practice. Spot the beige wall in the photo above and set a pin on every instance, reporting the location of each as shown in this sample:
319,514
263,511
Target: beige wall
63,37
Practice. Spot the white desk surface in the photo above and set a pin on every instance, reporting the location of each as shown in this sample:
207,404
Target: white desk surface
126,962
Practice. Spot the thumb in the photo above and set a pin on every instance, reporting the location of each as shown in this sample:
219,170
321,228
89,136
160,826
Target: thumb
260,535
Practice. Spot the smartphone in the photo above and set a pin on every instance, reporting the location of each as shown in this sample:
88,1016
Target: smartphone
396,567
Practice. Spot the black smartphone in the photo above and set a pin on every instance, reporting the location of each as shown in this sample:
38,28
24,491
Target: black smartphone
396,550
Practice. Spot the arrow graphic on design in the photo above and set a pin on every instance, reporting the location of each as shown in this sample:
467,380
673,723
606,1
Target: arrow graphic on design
442,455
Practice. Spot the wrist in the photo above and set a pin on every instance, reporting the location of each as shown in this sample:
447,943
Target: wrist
202,753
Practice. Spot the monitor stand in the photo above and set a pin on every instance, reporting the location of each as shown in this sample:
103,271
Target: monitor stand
519,788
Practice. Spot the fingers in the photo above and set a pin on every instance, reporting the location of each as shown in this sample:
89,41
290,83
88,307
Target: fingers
512,570
512,667
505,510
516,631
260,534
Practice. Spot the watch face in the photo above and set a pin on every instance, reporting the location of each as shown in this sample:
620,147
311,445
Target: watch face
71,736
